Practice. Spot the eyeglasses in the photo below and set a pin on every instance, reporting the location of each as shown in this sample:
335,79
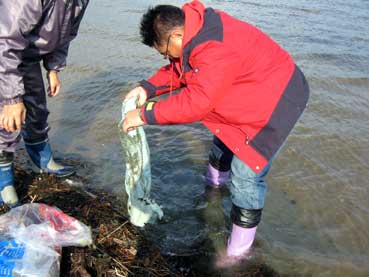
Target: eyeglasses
166,51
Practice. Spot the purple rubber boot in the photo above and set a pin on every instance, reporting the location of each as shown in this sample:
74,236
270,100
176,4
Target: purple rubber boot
216,178
240,241
239,246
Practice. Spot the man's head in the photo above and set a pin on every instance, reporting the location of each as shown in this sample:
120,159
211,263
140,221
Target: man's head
162,27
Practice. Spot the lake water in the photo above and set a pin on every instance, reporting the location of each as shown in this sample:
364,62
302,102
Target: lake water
316,218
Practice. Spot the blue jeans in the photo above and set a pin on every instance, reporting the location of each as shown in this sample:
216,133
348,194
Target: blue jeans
248,189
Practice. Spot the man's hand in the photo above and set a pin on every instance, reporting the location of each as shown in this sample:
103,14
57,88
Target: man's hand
140,93
12,117
132,120
54,83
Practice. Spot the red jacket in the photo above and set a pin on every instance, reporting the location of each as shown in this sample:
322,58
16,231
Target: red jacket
237,81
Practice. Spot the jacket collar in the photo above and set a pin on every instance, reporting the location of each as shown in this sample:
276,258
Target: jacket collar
194,19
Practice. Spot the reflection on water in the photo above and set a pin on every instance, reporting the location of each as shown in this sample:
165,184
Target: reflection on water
316,219
211,211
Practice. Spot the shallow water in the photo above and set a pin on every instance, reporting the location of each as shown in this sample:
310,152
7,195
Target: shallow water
316,218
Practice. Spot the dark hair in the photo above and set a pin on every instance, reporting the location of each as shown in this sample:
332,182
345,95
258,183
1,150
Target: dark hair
157,22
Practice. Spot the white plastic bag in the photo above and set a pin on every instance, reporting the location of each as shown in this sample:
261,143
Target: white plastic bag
31,238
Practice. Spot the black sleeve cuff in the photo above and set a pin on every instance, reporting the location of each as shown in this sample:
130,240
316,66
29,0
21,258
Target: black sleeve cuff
149,114
150,88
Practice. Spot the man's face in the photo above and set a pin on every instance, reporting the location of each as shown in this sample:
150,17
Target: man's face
171,46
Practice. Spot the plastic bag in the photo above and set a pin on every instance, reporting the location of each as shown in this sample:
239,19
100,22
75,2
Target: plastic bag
31,238
141,208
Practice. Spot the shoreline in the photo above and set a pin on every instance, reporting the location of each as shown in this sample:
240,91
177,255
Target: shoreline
119,248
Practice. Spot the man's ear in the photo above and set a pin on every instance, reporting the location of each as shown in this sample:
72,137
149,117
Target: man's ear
178,33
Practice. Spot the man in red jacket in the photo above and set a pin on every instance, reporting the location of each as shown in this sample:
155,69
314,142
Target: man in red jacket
239,83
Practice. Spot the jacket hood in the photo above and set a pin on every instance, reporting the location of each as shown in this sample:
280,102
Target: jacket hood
194,19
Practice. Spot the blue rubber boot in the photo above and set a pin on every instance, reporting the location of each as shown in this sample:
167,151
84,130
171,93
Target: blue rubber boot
43,162
8,195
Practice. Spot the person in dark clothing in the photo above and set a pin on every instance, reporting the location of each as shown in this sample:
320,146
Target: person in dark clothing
240,84
30,32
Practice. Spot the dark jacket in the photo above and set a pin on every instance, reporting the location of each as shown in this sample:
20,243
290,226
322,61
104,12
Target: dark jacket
236,80
31,31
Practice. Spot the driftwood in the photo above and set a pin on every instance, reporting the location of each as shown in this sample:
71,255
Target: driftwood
119,248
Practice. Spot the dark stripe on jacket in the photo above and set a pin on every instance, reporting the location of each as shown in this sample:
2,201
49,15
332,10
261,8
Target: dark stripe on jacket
288,110
212,29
